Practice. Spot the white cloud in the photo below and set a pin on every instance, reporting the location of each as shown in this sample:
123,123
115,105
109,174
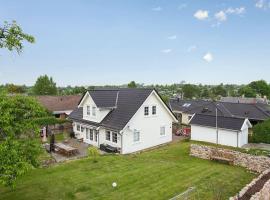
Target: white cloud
237,11
166,51
208,57
192,48
157,8
201,14
262,4
221,16
182,6
172,37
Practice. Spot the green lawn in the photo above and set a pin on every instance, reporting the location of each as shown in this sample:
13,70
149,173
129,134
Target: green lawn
157,174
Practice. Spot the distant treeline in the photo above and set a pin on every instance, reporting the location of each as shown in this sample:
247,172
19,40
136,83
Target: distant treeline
46,86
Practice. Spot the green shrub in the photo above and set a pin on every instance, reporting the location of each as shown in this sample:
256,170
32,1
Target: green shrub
93,153
261,133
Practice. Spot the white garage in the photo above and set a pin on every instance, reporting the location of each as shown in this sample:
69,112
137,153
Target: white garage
230,131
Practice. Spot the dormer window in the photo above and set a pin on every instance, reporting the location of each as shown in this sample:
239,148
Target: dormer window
88,110
146,110
94,111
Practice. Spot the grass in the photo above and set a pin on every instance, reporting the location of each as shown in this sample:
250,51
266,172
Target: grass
157,174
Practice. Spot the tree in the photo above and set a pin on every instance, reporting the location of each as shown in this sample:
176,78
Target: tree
219,91
260,87
190,91
12,37
45,86
247,91
11,88
19,148
261,132
132,84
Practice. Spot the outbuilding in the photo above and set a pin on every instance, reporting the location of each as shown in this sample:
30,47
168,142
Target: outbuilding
230,131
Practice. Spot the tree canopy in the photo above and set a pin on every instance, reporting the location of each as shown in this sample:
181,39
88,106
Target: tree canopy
132,84
12,37
45,86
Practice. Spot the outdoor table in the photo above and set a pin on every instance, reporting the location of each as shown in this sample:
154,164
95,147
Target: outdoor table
68,150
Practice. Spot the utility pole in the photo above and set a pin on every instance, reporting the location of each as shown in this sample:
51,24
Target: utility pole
216,124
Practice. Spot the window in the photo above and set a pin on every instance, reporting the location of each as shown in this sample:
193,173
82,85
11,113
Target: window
91,134
82,128
136,136
162,130
78,127
87,133
96,134
154,110
114,137
108,135
88,110
146,111
94,111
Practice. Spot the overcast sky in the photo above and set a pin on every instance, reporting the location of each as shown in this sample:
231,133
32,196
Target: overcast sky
155,41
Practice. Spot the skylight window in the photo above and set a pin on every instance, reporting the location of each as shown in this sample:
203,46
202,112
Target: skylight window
186,105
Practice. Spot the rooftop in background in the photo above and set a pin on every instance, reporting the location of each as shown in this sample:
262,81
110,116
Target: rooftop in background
244,100
231,123
257,111
59,103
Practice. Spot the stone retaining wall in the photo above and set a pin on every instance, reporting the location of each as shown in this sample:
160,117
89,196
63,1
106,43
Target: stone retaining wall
264,194
251,162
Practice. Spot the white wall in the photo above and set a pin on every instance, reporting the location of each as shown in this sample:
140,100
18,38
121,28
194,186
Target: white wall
149,127
225,137
185,118
100,113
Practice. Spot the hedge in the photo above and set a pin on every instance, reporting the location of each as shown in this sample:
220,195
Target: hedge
261,133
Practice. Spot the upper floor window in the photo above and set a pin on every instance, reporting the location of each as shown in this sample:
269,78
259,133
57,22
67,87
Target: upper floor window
114,137
88,110
162,130
108,135
146,110
136,136
154,110
94,111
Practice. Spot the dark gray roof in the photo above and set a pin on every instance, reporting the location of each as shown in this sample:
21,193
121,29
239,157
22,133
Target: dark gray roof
77,115
251,111
231,123
127,103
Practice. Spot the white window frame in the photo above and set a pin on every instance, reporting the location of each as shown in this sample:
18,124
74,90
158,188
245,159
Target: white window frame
114,137
78,127
94,108
82,129
106,134
144,113
162,131
155,110
87,133
95,135
88,110
136,138
91,135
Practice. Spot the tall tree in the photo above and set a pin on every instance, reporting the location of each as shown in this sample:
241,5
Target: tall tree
190,91
247,91
12,37
132,84
260,87
219,90
45,86
19,149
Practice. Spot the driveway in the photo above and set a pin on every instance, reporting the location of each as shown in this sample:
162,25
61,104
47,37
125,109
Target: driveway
257,146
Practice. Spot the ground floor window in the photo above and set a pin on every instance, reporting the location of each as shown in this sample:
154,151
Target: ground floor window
78,127
87,133
136,136
114,137
91,134
82,128
162,130
108,135
96,134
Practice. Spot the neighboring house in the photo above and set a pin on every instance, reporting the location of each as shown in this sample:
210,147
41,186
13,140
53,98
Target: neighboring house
129,119
230,131
244,100
185,109
60,106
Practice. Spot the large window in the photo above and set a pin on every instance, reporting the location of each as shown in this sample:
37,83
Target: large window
88,110
154,110
87,133
96,134
162,130
94,111
146,110
136,136
114,137
108,135
91,134
78,127
82,128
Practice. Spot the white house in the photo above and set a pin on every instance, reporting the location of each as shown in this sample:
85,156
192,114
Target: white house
230,131
129,119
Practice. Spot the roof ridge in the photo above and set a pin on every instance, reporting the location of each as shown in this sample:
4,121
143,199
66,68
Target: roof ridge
237,117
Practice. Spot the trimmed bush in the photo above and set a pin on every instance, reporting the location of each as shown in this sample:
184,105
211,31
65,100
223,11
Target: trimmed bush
261,133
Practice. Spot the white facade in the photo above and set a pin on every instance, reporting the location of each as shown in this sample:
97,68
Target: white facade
225,137
141,132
